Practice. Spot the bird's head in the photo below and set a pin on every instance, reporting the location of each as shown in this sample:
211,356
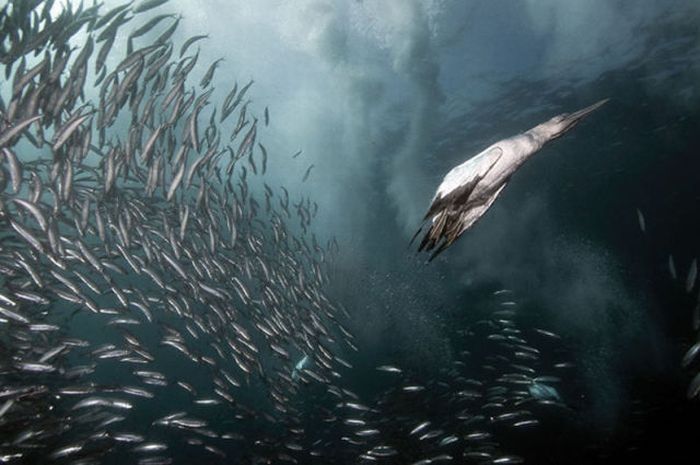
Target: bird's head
560,124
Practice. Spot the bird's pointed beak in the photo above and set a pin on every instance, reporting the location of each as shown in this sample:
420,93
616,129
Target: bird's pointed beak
572,119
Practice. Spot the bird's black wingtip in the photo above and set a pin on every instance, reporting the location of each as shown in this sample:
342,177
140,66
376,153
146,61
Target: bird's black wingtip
441,248
414,237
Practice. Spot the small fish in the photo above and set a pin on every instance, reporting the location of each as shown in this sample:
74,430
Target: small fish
691,355
150,447
301,364
148,26
542,391
420,427
191,41
507,460
146,5
308,172
367,432
389,369
15,130
264,157
672,268
68,129
547,333
694,387
642,223
692,276
206,79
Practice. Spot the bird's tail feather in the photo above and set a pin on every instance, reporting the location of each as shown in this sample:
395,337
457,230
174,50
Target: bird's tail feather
438,251
434,233
414,236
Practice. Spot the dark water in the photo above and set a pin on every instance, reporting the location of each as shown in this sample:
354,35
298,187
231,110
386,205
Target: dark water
384,98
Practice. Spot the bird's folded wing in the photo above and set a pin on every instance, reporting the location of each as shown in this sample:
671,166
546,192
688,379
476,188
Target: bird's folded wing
449,224
473,169
470,216
459,183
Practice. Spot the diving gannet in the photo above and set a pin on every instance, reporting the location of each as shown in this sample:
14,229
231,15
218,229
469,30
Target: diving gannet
468,190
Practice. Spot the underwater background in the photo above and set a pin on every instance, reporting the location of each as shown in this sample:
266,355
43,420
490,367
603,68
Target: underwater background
361,107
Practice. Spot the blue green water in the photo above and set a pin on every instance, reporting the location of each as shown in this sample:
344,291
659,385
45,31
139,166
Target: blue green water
383,99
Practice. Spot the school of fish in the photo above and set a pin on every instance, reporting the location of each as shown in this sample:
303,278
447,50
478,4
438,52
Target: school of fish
161,303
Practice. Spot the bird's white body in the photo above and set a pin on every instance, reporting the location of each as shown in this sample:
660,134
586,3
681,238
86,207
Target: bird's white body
469,189
496,164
